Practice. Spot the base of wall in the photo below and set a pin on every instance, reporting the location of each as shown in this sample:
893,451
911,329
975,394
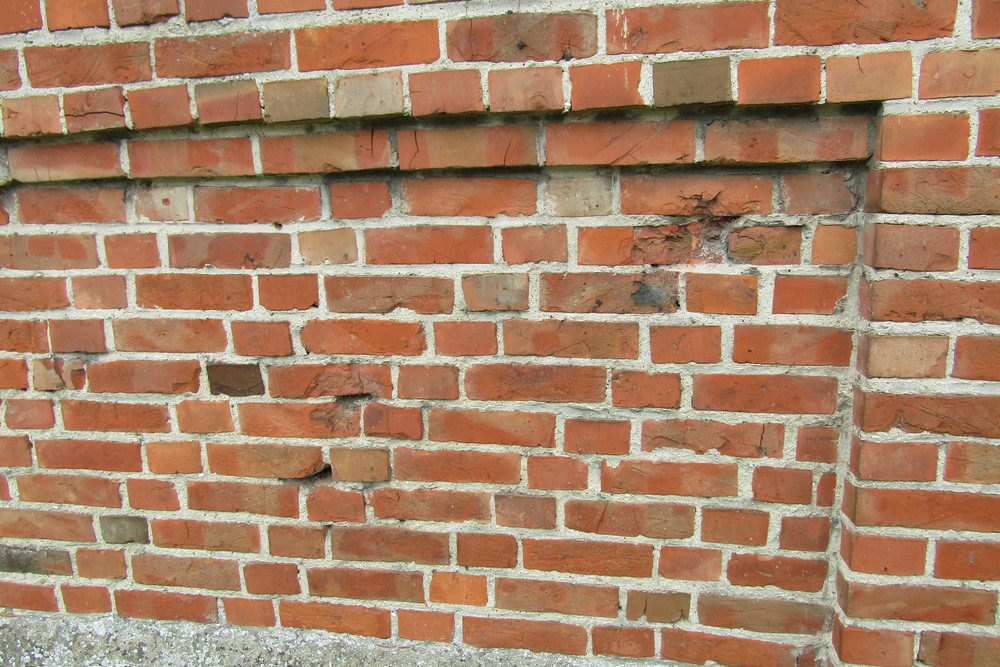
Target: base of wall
111,641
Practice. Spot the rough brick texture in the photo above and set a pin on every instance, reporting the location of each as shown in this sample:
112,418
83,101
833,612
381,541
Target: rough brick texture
661,330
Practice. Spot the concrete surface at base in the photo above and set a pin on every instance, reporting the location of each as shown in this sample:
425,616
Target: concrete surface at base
108,641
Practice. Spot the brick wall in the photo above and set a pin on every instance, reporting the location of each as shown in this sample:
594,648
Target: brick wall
596,328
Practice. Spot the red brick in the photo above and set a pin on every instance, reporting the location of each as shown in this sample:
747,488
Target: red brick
805,533
785,572
167,606
29,414
978,561
671,194
496,292
466,196
690,563
102,109
13,374
221,55
350,464
256,613
369,95
817,444
363,337
323,153
71,205
99,292
165,335
702,27
788,140
465,338
619,143
467,147
789,80
817,193
366,584
744,440
144,377
635,389
269,339
586,340
326,503
972,462
431,626
458,588
209,573
194,292
765,393
36,597
699,648
10,75
844,22
387,543
69,489
290,292
59,162
457,466
538,636
584,557
387,421
956,415
492,427
15,452
522,511
988,140
24,336
45,525
428,382
762,614
366,199
279,6
526,89
747,527
656,520
923,137
29,116
332,246
101,563
895,461
35,253
268,461
925,509
556,597
668,244
144,12
194,157
125,417
228,102
950,649
792,345
447,92
429,505
21,16
366,621
430,244
348,46
89,65
547,383
487,550
782,485
166,106
315,380
297,541
210,10
522,37
606,86
648,292
557,472
298,420
209,535
707,480
960,74
765,245
869,76
131,251
933,604
289,101
819,295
